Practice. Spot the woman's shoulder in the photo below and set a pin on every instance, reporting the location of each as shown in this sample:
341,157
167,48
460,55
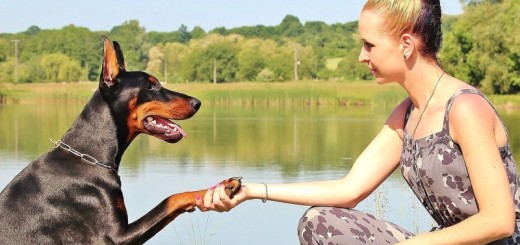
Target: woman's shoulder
396,120
469,101
467,109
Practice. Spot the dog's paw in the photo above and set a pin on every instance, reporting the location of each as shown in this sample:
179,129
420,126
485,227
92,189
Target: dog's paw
232,186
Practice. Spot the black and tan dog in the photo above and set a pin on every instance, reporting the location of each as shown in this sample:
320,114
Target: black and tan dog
72,194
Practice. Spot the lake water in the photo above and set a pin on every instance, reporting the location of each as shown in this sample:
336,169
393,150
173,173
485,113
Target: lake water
261,144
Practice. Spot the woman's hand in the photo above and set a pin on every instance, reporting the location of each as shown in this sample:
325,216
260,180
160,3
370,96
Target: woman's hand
216,199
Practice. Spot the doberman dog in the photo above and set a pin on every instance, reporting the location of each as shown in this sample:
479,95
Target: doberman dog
72,194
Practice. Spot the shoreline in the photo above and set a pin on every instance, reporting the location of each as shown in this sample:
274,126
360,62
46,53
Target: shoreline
305,93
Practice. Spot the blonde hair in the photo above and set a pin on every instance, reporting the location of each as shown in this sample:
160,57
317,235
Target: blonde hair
422,18
400,15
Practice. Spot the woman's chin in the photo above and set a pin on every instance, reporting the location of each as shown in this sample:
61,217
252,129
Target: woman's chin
380,80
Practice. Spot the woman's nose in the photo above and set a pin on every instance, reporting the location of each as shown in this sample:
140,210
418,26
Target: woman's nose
363,56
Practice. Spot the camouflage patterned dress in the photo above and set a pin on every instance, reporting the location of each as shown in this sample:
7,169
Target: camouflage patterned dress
435,170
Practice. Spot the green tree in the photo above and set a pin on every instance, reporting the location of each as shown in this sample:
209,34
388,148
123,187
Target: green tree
60,68
131,36
197,32
175,53
282,64
265,75
165,61
78,43
474,2
307,61
482,46
33,70
5,49
156,62
258,31
351,69
290,26
315,27
155,37
250,63
32,30
200,63
7,72
185,35
220,30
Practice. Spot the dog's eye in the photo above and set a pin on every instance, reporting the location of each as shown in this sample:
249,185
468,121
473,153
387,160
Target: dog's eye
150,86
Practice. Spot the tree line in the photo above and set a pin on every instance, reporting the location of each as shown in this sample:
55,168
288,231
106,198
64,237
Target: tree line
481,46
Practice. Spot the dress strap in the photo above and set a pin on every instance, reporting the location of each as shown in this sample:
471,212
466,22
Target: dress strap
446,124
407,115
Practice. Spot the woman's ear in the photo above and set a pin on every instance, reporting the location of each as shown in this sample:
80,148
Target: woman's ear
407,45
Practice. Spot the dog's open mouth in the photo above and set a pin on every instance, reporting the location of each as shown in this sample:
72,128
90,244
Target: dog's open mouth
164,129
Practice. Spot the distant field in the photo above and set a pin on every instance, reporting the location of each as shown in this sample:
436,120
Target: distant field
333,63
310,93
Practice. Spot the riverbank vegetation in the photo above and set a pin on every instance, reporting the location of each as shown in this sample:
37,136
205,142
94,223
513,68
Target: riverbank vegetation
302,93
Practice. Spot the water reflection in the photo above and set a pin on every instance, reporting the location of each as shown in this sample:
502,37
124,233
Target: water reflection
268,144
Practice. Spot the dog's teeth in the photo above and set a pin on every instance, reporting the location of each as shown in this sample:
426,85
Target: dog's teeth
175,129
149,119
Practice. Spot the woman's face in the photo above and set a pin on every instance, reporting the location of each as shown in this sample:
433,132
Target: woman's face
382,53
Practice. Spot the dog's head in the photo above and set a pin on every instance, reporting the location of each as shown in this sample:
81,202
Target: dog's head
139,98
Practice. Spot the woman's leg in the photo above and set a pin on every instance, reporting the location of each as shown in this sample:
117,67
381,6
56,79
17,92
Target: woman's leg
329,225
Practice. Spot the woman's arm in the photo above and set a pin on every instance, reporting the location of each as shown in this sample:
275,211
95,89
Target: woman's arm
372,167
472,126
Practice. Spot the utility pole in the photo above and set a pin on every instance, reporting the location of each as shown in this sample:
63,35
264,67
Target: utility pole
214,70
86,71
296,63
165,70
16,60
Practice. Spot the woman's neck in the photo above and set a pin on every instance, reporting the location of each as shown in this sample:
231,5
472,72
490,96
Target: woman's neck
420,82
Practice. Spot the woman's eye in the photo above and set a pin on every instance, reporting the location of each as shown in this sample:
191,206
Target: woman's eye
368,45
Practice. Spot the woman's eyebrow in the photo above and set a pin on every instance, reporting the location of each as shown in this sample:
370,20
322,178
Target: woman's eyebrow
365,41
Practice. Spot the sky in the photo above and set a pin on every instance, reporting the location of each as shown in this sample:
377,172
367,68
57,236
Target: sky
168,15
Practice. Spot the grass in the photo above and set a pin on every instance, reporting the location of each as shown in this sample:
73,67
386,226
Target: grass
198,235
42,92
301,93
293,93
333,63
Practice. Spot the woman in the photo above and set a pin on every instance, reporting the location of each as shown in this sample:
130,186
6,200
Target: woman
451,146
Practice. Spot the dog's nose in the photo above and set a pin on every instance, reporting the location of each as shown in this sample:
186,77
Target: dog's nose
195,103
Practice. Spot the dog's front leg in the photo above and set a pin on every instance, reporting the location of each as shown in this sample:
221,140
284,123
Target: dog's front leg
147,226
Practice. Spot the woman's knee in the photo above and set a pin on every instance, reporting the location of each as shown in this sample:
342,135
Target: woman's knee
306,225
317,224
346,226
310,214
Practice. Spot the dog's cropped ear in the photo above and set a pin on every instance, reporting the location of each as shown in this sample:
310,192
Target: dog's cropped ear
111,67
120,57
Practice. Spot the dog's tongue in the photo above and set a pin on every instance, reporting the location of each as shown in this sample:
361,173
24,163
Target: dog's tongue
173,127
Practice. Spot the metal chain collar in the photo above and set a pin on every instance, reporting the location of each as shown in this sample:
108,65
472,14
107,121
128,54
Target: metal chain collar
85,157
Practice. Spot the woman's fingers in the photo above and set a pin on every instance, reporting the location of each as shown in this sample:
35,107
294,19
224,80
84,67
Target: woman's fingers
205,203
227,204
199,203
209,197
215,199
216,202
221,201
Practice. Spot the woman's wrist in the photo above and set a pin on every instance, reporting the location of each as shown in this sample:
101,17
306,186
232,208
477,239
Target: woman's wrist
264,199
256,191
